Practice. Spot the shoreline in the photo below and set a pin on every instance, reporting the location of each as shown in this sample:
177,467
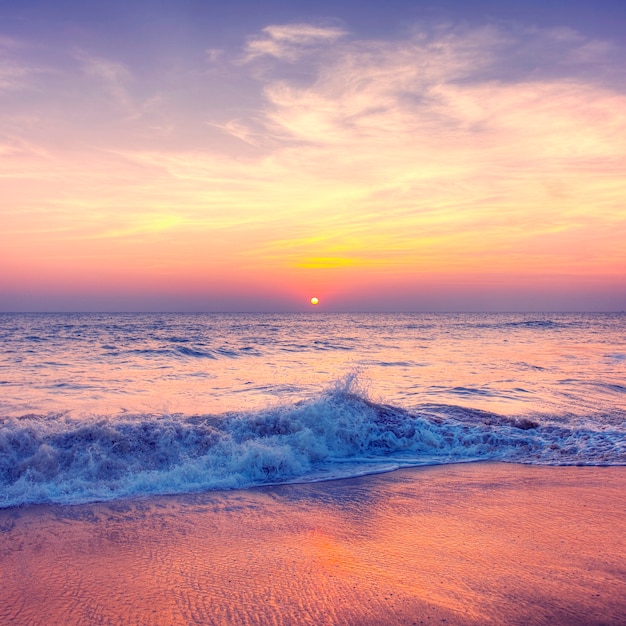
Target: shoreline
473,543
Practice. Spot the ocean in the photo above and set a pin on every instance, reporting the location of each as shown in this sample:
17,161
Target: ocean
99,407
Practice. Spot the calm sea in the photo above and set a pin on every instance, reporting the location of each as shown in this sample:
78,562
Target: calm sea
103,406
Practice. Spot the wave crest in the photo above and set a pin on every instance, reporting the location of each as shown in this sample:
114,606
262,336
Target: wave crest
340,433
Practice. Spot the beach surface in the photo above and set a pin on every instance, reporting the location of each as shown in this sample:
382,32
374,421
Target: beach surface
480,543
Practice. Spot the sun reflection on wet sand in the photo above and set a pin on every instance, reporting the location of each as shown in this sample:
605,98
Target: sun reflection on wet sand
470,544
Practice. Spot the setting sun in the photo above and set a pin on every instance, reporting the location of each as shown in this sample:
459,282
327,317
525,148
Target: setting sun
314,300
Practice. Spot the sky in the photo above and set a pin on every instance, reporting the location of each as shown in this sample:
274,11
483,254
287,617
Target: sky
450,155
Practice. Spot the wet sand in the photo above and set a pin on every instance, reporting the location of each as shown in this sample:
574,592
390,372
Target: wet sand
465,544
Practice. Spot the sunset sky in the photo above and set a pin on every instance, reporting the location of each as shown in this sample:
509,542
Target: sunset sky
196,155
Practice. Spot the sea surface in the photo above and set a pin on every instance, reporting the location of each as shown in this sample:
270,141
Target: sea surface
97,407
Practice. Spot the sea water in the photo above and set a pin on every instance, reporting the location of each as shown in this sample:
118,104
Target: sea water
102,406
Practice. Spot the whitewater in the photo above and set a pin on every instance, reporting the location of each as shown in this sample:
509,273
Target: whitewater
96,407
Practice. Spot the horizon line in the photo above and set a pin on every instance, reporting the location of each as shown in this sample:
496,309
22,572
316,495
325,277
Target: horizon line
323,312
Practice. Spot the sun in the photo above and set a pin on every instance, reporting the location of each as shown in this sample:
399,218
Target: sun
314,300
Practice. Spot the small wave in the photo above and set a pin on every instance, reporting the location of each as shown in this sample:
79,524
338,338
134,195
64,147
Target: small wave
530,366
613,387
195,352
316,345
397,364
320,344
185,351
229,352
470,391
535,324
150,352
74,386
340,433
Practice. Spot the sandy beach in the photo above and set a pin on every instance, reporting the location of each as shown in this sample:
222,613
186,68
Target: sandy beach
462,544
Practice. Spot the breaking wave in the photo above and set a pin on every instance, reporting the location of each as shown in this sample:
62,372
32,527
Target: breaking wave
338,434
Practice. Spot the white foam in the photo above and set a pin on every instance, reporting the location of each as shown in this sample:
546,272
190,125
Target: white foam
339,434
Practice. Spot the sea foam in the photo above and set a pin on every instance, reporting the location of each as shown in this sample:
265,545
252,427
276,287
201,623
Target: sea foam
340,433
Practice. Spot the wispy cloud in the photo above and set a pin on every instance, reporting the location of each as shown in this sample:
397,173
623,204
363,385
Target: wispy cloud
16,72
12,74
420,153
8,42
290,41
213,54
435,125
240,130
115,77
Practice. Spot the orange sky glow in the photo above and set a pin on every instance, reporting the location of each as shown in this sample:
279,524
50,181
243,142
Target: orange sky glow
454,167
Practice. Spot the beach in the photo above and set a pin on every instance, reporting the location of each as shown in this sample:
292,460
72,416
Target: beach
477,543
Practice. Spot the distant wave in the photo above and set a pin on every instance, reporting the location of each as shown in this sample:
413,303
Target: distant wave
186,351
338,434
531,323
